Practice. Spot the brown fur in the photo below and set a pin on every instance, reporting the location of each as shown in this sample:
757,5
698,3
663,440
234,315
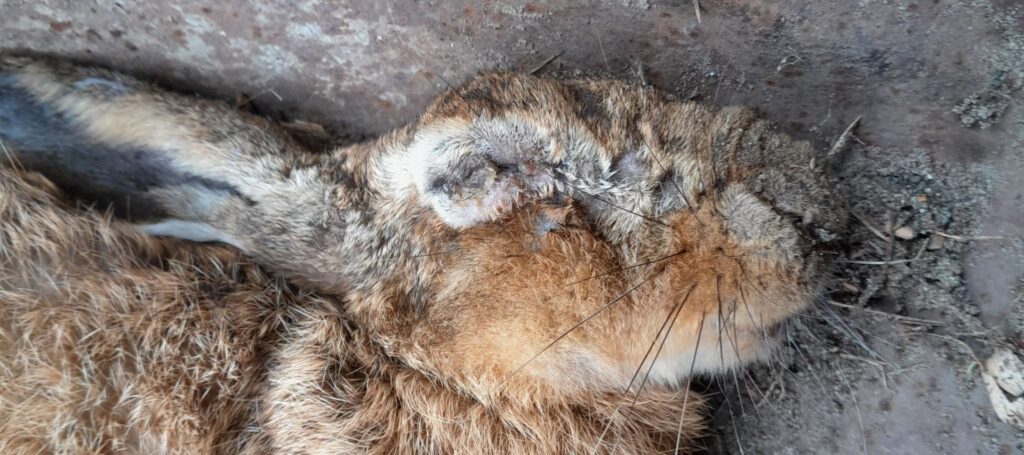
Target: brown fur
494,277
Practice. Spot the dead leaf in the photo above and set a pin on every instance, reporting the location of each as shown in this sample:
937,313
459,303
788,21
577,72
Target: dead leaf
1008,371
1004,380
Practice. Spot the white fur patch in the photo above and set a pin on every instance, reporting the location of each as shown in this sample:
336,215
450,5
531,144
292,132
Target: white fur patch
112,85
440,146
188,230
427,157
408,171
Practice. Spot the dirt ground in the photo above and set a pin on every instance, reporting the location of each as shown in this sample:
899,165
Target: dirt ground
888,361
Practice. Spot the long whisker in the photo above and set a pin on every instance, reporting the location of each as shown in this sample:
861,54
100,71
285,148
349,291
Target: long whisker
10,158
732,417
609,272
456,93
603,54
856,406
810,366
730,335
749,379
750,316
760,327
574,327
767,300
721,346
836,322
723,391
663,340
689,381
612,204
440,253
736,351
668,318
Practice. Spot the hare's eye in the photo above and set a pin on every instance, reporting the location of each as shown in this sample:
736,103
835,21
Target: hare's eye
546,223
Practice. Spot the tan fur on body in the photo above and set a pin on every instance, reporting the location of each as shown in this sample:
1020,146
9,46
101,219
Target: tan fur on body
497,274
113,341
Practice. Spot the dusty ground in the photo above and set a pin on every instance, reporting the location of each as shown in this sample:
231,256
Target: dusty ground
886,362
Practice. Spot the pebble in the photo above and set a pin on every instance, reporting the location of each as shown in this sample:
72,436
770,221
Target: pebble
904,233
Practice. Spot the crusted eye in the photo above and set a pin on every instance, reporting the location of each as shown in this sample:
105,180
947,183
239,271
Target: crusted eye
468,178
553,216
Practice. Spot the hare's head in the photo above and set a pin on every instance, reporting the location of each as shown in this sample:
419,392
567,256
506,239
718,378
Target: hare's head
586,237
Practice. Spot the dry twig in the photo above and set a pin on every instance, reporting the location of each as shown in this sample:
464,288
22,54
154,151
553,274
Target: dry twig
880,365
546,62
843,138
898,317
868,225
961,238
242,101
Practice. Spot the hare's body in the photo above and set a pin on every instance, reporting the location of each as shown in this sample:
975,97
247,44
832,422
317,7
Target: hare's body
533,265
111,342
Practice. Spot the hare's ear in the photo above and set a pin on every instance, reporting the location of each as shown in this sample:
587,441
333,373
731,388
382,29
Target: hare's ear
472,171
76,126
177,165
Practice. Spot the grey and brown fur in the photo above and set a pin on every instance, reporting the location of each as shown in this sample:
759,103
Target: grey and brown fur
533,266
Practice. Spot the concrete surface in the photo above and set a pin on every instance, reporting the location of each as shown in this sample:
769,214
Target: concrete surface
364,66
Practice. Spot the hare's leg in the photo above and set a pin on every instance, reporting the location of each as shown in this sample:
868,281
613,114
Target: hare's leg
177,165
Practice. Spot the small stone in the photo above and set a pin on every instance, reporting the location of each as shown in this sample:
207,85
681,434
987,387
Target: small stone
936,242
904,233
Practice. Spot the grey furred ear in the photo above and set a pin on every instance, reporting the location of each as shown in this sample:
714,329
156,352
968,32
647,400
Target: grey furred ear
119,176
177,165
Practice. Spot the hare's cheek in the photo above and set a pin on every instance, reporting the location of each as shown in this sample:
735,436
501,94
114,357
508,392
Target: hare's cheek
755,226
